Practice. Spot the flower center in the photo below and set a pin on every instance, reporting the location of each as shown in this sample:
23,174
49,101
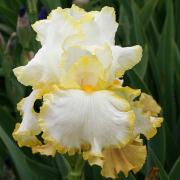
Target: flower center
87,88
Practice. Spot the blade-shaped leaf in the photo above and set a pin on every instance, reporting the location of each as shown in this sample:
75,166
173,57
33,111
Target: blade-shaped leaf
166,66
174,173
162,173
159,139
63,166
17,156
147,11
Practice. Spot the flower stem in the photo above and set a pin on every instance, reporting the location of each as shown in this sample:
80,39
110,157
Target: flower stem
74,176
76,172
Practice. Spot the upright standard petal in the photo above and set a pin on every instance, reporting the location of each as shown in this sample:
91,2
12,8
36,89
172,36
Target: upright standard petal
42,71
125,58
83,68
58,26
25,133
96,29
100,119
76,12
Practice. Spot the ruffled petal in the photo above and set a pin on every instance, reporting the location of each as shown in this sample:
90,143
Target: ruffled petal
96,28
76,12
106,21
125,58
72,118
83,68
123,159
58,26
131,157
146,111
148,104
41,28
25,133
45,149
147,121
42,71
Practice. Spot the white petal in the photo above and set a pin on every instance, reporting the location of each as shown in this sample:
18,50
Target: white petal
42,70
145,124
76,12
56,28
41,27
73,54
26,105
104,55
97,28
125,58
26,131
73,117
146,111
81,69
106,21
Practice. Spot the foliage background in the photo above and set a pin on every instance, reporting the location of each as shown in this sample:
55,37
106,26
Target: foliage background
154,24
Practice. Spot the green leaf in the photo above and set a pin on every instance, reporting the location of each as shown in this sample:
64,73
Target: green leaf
66,3
32,9
173,150
159,139
9,14
147,11
166,66
174,173
6,120
17,156
130,177
177,73
127,6
135,81
5,28
63,166
49,4
137,33
177,24
162,173
44,172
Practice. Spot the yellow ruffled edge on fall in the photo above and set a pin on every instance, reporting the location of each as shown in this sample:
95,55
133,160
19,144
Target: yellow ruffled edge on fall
25,138
126,92
151,133
120,159
85,147
150,109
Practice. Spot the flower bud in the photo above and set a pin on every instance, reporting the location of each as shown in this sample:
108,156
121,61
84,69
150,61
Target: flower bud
42,13
23,28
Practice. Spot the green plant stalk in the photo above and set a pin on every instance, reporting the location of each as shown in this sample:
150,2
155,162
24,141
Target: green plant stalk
32,7
76,172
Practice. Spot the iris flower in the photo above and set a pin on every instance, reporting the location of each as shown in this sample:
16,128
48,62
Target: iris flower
85,108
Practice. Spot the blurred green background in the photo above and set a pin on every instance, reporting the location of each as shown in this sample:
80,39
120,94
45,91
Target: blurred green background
154,24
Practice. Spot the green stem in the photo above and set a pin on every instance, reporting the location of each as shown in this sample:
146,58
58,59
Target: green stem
76,172
32,7
74,176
